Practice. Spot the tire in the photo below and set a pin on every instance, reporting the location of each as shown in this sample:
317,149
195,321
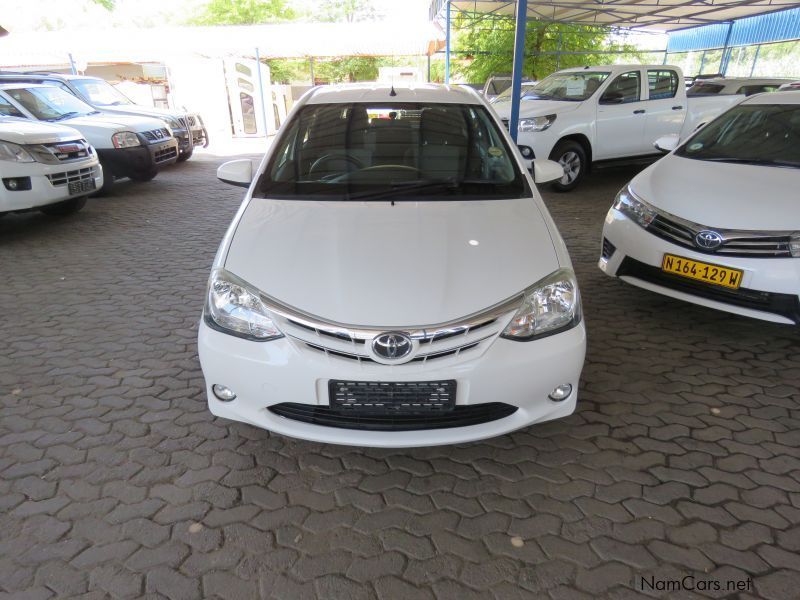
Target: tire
573,157
108,181
66,207
185,156
143,176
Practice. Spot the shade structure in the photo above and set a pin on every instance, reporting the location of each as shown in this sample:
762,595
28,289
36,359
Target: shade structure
660,15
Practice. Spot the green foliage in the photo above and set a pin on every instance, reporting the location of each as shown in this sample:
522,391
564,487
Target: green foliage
289,70
345,10
243,12
107,4
485,47
348,68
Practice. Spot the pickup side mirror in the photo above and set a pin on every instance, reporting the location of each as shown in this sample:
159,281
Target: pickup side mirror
236,172
547,170
667,143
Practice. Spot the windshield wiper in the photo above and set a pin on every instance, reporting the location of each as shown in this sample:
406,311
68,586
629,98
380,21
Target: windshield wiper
398,189
751,161
66,115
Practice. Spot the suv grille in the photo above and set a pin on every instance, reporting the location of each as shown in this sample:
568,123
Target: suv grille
157,135
165,154
58,152
389,398
746,244
67,177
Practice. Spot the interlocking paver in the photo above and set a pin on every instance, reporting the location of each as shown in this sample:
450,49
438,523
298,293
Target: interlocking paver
116,481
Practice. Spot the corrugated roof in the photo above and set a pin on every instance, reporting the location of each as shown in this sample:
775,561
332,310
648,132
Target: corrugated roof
662,15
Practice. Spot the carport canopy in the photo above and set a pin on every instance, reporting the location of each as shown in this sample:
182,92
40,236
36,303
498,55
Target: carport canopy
657,15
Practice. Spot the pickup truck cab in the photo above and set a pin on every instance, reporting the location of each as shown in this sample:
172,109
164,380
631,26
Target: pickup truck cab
187,128
44,167
586,115
127,146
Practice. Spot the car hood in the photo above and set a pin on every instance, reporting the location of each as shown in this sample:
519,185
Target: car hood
723,195
374,264
25,131
147,111
116,121
535,108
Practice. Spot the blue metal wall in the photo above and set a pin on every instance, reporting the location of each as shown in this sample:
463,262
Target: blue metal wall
773,27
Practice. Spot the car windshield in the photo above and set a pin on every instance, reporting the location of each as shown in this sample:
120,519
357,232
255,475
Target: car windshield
393,151
48,103
571,86
100,93
760,134
506,95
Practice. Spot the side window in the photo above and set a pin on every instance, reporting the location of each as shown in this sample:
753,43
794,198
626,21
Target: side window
9,110
624,89
662,83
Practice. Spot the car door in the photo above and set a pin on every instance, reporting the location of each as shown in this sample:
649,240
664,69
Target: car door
621,117
666,110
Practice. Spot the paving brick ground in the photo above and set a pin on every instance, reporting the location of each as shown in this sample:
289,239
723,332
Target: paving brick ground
683,458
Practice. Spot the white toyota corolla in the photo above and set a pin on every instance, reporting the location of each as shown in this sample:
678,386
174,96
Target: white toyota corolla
717,221
392,278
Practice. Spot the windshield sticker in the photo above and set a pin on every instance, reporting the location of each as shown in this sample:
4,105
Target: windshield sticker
695,147
495,152
575,86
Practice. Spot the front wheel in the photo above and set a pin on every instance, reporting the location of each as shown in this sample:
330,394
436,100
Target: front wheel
572,157
66,207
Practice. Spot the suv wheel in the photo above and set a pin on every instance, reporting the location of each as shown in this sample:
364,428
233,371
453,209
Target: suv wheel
573,158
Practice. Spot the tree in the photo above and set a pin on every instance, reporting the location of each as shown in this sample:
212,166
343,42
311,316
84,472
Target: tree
244,12
348,11
485,47
347,69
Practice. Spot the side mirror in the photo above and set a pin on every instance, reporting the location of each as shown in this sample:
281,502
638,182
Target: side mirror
667,143
546,170
236,172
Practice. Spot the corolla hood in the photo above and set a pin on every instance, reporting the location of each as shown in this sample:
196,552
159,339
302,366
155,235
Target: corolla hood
723,195
24,131
374,264
536,108
118,121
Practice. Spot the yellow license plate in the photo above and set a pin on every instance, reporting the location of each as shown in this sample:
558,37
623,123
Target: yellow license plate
700,271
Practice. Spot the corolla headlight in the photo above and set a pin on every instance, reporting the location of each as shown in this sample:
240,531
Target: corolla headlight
14,153
633,207
125,139
536,123
551,305
236,307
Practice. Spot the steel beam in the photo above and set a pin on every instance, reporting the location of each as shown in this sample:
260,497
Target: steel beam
516,74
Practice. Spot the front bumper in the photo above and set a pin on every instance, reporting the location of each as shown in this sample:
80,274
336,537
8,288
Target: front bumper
49,183
262,374
139,160
770,288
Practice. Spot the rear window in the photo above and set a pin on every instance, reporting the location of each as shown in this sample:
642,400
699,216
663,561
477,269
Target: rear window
705,89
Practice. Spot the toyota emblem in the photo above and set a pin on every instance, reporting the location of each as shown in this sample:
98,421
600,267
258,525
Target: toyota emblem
708,240
392,345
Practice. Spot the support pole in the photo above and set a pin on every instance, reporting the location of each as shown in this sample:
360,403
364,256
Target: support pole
726,51
261,93
72,64
755,60
516,75
429,68
702,62
447,45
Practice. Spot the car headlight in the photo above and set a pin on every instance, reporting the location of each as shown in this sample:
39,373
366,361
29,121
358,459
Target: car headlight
125,139
794,244
633,207
14,153
549,306
235,307
536,123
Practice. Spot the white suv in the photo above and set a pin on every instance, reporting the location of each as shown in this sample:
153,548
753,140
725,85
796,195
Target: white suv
392,278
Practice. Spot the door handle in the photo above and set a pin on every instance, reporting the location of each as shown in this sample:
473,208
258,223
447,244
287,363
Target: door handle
677,108
639,112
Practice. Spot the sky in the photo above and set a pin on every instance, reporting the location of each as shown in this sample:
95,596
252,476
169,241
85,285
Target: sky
37,15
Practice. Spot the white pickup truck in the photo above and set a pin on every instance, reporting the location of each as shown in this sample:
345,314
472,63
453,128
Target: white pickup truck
591,114
44,167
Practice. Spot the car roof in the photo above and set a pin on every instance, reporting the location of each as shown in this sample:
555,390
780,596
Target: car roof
787,97
616,68
744,80
382,92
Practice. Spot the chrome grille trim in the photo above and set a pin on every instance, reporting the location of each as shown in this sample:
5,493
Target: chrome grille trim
52,154
157,135
67,177
736,242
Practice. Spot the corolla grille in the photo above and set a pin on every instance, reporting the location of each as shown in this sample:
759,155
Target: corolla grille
741,243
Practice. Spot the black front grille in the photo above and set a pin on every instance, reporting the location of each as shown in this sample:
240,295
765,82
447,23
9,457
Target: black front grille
737,243
382,397
786,305
327,416
608,249
156,135
165,154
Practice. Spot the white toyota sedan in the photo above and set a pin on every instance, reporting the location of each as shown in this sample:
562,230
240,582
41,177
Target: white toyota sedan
392,278
717,221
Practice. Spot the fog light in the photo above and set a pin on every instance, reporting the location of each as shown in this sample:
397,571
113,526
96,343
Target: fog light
526,151
17,184
561,392
223,393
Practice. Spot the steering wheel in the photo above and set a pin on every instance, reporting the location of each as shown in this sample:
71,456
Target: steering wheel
329,158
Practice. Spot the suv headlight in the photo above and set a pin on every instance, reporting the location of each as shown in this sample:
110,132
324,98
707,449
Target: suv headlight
235,307
536,123
550,306
14,153
125,139
633,207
